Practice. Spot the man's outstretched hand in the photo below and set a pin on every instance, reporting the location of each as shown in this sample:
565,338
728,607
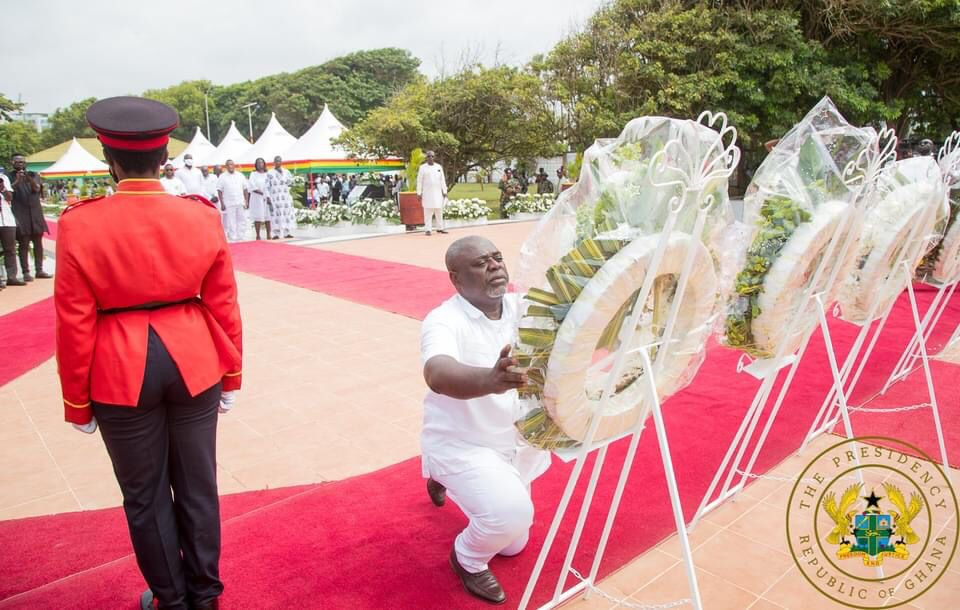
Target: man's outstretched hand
505,374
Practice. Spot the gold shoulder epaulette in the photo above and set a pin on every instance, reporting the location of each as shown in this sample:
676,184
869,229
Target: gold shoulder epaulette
81,202
201,200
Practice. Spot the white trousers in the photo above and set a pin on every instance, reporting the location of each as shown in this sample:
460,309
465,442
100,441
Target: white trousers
496,499
429,214
235,223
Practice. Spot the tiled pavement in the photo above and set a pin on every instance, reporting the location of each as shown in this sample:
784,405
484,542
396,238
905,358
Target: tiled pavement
333,389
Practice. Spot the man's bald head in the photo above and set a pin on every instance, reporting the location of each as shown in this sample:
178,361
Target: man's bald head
478,272
465,249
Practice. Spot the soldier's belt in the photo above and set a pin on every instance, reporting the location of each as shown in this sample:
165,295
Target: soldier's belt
148,306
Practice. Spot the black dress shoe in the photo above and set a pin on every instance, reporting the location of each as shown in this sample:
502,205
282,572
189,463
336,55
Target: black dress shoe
15,282
43,275
437,492
27,277
444,231
482,584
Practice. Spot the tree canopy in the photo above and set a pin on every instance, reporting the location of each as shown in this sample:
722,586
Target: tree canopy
352,85
763,62
471,119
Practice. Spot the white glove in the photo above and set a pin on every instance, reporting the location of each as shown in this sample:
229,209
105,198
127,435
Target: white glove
227,400
88,428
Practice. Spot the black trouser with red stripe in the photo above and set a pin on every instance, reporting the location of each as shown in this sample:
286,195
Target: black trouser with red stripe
164,455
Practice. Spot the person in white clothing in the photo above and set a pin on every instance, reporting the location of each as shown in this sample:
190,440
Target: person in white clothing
170,182
283,217
208,188
471,450
431,191
259,197
190,176
233,192
8,235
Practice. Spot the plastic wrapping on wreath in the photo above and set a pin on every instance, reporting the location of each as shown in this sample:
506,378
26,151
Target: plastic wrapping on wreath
581,270
941,265
951,351
798,199
907,221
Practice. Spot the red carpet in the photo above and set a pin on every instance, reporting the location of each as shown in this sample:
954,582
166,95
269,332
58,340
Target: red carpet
28,338
407,290
375,541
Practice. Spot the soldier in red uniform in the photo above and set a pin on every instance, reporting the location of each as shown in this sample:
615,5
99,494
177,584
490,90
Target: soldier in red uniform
149,348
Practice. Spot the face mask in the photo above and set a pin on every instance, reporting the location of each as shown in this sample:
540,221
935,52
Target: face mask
188,162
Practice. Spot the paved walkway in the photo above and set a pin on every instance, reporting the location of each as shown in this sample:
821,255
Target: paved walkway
333,389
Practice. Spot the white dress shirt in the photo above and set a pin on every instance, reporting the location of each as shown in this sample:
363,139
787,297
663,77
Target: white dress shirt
209,187
453,428
192,179
173,185
6,212
232,185
431,185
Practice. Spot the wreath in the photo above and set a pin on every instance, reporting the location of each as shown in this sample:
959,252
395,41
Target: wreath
585,264
887,229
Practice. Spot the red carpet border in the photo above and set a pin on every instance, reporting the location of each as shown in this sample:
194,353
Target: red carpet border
375,541
27,336
407,290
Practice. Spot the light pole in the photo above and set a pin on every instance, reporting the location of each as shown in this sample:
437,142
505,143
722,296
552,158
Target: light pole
206,111
250,108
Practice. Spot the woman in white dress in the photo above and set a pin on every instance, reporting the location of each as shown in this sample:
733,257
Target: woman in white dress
259,197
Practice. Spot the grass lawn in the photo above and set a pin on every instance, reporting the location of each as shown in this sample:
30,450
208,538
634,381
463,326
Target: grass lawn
470,190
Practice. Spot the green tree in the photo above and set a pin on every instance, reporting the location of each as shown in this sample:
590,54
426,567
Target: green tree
17,137
471,119
352,85
68,122
188,99
763,62
8,107
907,50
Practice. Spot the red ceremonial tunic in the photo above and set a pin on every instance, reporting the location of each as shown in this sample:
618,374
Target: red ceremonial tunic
136,247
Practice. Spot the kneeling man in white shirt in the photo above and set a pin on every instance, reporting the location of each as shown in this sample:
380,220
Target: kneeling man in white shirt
471,450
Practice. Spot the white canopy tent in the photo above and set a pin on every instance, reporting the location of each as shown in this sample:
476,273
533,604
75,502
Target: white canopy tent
199,147
231,147
275,140
76,162
315,151
316,143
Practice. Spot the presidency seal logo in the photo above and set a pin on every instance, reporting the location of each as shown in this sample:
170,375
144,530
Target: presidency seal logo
871,522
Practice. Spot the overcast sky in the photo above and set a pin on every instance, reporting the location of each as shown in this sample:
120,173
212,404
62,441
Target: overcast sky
55,52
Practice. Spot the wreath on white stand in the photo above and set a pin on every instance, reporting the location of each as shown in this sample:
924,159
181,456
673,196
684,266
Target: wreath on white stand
898,229
800,204
585,265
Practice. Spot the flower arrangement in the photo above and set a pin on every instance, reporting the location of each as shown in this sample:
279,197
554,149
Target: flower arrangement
323,216
366,211
466,209
798,198
529,203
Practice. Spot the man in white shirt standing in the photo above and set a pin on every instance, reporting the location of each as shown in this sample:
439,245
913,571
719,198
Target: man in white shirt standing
233,193
431,191
190,176
471,450
170,182
8,234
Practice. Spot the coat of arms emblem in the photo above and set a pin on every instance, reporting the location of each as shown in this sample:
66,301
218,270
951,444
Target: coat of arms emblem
874,533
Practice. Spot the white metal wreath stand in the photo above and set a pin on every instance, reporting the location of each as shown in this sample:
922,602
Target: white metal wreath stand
693,181
951,175
836,402
860,175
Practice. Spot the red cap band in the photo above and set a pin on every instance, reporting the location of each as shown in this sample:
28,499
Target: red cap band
124,144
